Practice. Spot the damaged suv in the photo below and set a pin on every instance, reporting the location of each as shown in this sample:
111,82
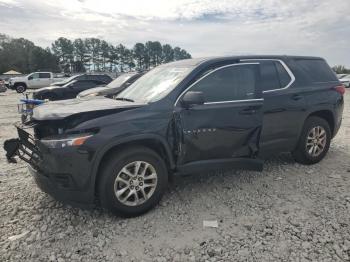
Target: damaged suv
188,116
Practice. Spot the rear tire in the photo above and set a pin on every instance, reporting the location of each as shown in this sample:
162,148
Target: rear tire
20,88
314,141
137,172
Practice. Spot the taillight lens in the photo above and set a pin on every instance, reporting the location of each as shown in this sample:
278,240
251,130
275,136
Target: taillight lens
340,89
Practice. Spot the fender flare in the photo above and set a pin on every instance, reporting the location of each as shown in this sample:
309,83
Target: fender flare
123,140
313,111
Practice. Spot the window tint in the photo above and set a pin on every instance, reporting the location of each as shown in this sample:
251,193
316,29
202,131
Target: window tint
44,75
316,70
283,75
105,78
269,77
84,84
229,83
35,76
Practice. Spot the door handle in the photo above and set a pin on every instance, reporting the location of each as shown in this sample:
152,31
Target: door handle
297,97
248,111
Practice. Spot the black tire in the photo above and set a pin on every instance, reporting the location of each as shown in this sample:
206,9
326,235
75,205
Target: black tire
301,154
114,164
20,88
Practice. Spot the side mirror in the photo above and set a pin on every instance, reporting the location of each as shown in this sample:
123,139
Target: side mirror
30,78
192,98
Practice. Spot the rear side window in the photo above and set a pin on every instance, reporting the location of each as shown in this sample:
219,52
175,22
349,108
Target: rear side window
273,75
44,75
269,76
316,70
228,84
283,76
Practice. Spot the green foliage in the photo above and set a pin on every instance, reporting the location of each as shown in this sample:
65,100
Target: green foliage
80,55
340,69
98,55
23,56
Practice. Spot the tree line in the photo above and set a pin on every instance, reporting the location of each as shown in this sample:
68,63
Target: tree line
340,69
81,55
22,55
93,54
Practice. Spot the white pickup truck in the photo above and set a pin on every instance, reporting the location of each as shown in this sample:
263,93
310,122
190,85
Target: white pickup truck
33,80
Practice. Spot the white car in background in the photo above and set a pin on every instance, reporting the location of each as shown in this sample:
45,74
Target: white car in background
34,80
345,80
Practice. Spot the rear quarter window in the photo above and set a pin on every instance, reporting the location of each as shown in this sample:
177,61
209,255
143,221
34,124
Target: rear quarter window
316,70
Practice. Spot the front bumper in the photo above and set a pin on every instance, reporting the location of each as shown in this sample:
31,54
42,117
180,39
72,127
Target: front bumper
55,186
63,173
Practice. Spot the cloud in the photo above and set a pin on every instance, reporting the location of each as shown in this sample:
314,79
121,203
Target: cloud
203,27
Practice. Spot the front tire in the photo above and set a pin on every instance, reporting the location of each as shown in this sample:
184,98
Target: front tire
132,181
314,141
20,88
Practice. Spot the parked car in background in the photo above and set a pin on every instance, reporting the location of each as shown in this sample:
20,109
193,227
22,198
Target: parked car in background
3,87
189,116
34,80
341,75
345,80
114,87
69,90
102,77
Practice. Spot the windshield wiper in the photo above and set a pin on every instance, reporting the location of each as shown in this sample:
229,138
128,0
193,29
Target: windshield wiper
124,99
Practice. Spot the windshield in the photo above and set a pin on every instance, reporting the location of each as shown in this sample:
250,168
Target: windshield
69,79
155,85
69,83
119,81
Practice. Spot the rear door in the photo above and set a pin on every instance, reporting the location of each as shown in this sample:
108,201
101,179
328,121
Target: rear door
227,126
283,107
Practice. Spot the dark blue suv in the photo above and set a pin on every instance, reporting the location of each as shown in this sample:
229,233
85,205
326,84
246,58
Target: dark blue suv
184,117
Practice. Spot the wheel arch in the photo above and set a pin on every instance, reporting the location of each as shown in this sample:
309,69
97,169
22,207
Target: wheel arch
19,83
326,115
154,142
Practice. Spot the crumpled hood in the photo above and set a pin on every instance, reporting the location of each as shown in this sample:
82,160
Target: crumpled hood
64,108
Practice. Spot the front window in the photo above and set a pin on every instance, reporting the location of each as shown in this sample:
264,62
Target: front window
34,76
155,85
229,83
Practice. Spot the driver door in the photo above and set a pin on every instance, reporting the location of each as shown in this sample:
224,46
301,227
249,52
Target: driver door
223,130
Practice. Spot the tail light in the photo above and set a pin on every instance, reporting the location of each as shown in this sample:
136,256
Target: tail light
340,89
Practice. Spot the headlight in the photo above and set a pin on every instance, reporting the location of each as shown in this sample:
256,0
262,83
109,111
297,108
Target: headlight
67,140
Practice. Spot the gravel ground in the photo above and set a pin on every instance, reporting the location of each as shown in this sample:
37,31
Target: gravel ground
289,212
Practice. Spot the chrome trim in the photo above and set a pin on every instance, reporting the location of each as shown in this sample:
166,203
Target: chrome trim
234,101
292,77
209,73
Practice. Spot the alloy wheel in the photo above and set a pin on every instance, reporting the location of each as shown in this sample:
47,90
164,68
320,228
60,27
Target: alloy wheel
316,141
135,183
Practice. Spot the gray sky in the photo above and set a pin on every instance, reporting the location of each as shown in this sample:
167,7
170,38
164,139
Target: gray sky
202,27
